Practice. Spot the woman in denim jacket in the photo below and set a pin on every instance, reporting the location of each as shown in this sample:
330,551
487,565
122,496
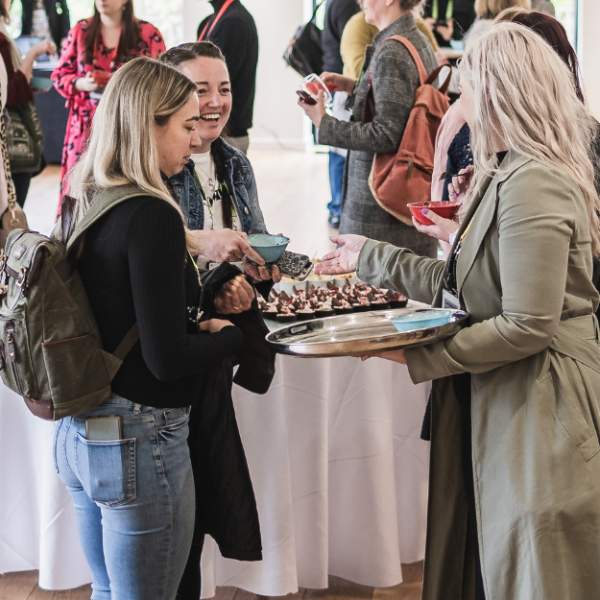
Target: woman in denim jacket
216,189
217,193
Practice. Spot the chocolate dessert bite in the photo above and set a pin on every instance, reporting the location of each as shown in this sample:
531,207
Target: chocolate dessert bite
341,306
286,317
362,304
270,312
305,313
396,299
324,310
379,303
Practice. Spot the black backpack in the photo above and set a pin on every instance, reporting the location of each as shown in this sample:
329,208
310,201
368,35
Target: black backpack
304,52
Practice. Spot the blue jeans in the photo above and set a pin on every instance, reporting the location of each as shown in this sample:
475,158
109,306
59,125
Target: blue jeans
134,499
336,183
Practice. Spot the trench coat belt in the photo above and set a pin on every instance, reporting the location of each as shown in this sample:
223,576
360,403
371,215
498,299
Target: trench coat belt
579,339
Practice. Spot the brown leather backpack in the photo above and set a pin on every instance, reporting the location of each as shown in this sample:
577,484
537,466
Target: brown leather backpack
405,176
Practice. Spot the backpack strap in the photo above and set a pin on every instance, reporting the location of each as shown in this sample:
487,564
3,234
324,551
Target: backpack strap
436,73
316,10
127,343
105,200
414,53
103,203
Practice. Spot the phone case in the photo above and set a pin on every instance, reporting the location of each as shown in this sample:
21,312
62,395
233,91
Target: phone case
103,429
296,266
306,97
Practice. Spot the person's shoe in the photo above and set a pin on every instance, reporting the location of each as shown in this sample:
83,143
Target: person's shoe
334,221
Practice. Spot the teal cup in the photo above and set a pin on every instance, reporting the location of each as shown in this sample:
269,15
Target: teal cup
270,247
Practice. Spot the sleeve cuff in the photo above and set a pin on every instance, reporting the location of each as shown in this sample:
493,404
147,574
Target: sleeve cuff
325,131
427,363
363,267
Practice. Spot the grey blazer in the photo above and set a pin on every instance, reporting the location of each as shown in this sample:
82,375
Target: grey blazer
391,72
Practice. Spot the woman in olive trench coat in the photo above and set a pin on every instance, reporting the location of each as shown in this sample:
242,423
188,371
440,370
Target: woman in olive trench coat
529,502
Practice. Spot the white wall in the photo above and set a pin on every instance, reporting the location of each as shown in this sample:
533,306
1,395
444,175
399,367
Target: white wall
278,122
589,51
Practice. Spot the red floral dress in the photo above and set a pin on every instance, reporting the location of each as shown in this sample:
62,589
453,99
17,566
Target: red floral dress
72,66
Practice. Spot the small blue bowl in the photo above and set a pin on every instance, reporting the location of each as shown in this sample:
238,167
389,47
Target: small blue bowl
270,247
421,320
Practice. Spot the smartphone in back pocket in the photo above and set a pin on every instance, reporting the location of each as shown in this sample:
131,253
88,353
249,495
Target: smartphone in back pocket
103,429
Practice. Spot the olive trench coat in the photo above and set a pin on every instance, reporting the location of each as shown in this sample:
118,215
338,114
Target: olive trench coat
532,349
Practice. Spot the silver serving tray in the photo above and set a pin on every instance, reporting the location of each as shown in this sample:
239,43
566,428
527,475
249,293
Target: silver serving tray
361,333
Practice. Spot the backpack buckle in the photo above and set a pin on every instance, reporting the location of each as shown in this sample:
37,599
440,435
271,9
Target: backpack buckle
22,279
10,341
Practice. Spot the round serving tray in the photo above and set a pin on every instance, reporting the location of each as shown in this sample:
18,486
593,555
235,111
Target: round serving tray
363,333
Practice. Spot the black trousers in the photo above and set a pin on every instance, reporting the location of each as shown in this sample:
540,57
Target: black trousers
464,386
21,181
191,581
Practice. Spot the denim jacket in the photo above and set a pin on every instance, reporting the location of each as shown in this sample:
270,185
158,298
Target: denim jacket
240,182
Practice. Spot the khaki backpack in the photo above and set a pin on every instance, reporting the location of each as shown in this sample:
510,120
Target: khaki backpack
405,176
50,348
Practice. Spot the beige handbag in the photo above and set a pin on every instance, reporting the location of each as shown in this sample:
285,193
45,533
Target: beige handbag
14,216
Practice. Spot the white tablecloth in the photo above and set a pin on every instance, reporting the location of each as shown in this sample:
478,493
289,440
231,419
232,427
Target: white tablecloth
338,469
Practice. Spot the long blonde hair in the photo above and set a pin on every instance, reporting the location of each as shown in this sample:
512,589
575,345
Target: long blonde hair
531,107
122,149
489,9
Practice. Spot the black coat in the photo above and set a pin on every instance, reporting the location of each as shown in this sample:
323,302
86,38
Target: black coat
337,14
58,19
225,502
236,35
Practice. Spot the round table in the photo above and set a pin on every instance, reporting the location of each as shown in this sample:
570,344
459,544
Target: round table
338,468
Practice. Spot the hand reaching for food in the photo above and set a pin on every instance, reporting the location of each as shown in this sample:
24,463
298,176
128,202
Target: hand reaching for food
222,245
344,259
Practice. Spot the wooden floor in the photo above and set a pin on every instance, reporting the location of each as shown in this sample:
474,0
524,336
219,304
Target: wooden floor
23,586
293,192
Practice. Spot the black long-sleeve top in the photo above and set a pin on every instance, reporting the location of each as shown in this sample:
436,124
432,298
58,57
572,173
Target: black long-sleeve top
135,269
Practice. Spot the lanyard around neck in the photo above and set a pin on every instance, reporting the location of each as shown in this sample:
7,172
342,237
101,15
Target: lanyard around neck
435,12
206,31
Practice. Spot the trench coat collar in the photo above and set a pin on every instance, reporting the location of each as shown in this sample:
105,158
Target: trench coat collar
481,213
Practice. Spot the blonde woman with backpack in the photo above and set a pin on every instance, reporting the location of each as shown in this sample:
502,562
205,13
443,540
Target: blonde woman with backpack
126,463
514,497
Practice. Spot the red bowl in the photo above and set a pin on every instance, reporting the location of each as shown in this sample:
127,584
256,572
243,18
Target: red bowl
314,88
447,210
